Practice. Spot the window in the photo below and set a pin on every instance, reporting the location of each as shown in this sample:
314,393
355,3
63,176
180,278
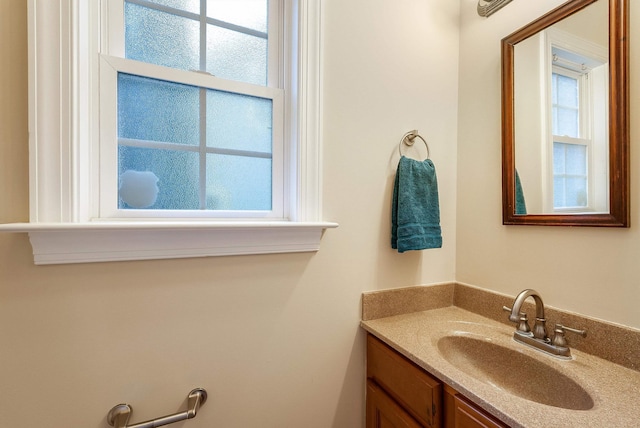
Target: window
107,106
577,82
182,146
571,144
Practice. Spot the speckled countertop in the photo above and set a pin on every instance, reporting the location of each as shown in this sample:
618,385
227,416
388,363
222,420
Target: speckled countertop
614,389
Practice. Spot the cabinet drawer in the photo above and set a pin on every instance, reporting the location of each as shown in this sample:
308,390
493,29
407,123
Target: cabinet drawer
416,391
467,415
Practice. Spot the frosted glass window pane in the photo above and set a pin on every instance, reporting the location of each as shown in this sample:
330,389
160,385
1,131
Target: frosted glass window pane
565,110
161,38
570,179
558,192
192,6
567,123
576,192
239,122
567,91
246,13
177,173
236,56
238,183
558,158
576,159
155,110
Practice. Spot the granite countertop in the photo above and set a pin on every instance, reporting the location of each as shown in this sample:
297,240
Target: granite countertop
615,389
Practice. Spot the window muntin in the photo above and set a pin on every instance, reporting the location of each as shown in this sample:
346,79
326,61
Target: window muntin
216,148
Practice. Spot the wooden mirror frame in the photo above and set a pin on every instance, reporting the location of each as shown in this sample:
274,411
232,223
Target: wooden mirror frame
618,215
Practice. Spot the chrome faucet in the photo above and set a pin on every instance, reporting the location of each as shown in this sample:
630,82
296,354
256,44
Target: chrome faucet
539,339
540,328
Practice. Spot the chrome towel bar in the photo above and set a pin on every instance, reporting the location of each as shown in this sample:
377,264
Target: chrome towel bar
118,416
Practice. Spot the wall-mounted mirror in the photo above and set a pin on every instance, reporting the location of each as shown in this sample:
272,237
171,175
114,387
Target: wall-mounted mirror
565,133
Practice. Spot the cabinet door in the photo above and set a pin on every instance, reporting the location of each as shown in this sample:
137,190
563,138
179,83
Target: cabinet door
409,385
383,412
468,415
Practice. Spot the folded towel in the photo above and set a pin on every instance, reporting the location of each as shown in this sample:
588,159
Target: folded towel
521,206
415,212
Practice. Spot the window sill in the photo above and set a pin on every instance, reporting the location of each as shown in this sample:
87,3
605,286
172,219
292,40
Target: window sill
62,243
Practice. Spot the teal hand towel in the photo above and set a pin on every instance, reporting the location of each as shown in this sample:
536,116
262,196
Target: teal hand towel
415,212
521,205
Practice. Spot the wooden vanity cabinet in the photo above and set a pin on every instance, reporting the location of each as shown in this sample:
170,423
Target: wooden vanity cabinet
416,393
384,412
400,394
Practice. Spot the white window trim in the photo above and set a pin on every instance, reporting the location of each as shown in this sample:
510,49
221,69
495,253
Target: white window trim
585,140
62,226
598,199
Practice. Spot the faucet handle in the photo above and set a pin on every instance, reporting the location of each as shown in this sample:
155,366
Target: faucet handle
540,329
508,309
558,337
523,323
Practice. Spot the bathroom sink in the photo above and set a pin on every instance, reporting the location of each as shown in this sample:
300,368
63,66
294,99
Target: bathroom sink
513,372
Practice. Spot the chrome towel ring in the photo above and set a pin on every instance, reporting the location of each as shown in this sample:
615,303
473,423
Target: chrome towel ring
409,138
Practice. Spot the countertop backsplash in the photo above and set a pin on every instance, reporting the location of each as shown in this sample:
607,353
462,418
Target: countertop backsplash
615,343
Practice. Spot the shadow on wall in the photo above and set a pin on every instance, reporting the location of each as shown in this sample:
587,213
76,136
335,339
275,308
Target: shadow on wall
352,392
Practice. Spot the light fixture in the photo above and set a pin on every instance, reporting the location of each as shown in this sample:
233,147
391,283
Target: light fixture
489,7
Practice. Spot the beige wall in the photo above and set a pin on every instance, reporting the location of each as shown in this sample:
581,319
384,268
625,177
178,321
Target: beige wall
274,339
588,270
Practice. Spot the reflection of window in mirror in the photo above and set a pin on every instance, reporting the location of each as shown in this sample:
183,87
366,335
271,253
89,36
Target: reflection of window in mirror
576,80
571,139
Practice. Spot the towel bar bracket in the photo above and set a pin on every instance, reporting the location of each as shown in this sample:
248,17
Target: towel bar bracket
409,140
118,416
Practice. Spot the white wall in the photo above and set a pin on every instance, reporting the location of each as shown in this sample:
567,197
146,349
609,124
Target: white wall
530,133
274,339
592,271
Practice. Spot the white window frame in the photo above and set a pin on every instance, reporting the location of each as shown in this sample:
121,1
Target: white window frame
109,68
584,139
63,119
598,195
112,62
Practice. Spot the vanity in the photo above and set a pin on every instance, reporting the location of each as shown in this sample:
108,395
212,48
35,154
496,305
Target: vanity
444,356
402,394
